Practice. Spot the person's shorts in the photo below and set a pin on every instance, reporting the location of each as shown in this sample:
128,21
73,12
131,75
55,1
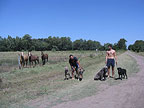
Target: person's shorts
76,68
110,62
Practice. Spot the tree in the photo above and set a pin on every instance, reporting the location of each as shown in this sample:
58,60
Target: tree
115,46
138,46
106,46
27,42
60,43
65,43
122,44
86,45
77,44
2,44
130,47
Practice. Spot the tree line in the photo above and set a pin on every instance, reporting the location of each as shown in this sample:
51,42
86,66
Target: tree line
27,43
138,46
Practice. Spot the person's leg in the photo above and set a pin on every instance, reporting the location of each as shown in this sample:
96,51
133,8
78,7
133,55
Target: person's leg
108,71
113,72
108,65
113,65
73,73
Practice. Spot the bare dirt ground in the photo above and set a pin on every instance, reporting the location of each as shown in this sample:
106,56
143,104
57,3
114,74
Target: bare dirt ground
129,94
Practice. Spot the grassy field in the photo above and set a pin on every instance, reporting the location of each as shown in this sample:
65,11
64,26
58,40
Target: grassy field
141,53
31,87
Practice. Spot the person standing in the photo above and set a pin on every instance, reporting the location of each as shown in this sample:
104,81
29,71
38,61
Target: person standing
111,59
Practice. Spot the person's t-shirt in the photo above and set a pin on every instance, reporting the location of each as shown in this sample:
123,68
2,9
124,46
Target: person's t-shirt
73,62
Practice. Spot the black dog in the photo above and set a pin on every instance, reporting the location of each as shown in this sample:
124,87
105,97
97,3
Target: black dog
122,73
101,75
67,74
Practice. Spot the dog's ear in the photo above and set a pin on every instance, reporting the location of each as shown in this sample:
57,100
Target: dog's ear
104,69
118,68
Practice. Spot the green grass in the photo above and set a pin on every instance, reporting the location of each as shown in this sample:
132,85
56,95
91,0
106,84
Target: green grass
21,88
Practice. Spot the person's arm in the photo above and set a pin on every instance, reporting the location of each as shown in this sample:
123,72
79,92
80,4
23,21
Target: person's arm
106,57
115,56
77,61
79,64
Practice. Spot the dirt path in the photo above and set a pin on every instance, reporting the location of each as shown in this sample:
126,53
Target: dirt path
129,94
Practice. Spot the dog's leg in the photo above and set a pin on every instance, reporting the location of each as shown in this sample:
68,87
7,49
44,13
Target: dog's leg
77,75
80,75
69,75
121,77
101,76
97,77
65,75
104,76
126,75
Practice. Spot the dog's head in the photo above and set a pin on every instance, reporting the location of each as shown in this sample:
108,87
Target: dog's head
66,68
105,69
119,69
81,70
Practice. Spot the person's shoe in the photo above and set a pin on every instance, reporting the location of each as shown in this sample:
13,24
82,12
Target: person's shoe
113,77
72,78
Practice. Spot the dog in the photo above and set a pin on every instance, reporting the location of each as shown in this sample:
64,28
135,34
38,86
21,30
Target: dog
122,73
101,75
67,74
80,74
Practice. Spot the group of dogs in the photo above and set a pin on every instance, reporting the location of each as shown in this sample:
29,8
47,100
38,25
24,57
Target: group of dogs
101,75
32,59
79,74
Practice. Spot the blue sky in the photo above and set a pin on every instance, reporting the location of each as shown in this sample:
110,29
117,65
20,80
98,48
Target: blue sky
101,20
